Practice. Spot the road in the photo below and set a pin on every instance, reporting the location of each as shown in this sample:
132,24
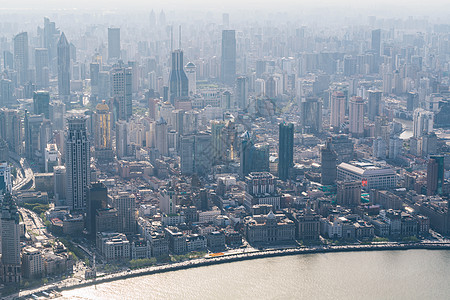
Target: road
27,175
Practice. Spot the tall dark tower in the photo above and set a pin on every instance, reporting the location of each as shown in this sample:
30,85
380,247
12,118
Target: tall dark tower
97,198
10,242
285,149
246,154
228,67
376,41
178,81
78,171
435,175
63,67
328,159
113,43
374,105
41,103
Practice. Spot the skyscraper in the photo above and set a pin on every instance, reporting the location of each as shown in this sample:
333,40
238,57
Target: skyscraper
51,35
125,203
311,115
423,122
94,70
113,43
356,117
21,60
376,41
10,241
196,154
42,68
191,73
328,160
228,63
121,92
78,171
5,179
161,137
337,110
242,92
435,175
41,103
63,68
32,131
178,81
10,129
121,139
285,149
102,130
374,104
97,198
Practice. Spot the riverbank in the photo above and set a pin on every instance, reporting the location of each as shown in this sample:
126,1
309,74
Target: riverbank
241,257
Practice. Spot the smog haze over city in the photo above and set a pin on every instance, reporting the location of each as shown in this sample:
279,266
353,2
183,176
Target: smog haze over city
224,149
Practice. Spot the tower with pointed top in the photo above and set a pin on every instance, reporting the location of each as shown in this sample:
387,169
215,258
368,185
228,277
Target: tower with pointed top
63,67
178,81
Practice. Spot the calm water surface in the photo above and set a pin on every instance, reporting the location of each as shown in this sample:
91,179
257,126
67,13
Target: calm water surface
411,274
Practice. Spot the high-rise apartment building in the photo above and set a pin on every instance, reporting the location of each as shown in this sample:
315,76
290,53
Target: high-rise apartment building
78,171
356,117
338,100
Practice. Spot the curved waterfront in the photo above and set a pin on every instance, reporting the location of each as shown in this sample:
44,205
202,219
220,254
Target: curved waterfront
412,274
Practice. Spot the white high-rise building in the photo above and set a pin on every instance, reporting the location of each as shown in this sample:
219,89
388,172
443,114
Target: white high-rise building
337,109
191,73
78,172
423,121
356,117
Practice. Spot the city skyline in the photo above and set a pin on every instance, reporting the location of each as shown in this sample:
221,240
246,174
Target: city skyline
155,138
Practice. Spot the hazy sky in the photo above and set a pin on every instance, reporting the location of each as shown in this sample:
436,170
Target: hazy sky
416,6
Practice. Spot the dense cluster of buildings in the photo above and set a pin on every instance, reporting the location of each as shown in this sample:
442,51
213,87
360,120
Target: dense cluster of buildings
149,151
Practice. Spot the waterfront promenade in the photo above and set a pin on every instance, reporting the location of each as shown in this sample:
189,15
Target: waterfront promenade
232,257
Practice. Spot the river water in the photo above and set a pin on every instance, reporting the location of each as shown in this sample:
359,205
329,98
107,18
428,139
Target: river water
410,274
